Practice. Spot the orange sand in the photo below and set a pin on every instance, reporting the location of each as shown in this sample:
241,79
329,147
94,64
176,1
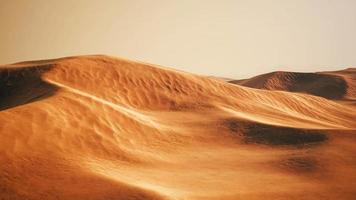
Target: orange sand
98,127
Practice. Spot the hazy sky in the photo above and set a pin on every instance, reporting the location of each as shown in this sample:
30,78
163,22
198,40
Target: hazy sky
237,38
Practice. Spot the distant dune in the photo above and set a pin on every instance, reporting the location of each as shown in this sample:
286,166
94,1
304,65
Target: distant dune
99,127
337,85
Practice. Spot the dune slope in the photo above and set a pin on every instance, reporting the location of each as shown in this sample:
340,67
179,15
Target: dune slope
98,127
337,85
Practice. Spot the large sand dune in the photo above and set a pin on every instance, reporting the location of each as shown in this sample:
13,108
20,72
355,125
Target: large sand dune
97,127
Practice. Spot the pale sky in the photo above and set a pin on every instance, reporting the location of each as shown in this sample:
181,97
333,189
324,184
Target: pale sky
229,38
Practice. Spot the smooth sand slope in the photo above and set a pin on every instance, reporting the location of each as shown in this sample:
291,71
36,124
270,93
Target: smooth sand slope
98,127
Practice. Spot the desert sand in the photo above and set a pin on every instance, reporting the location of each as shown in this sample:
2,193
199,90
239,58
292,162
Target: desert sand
99,127
336,85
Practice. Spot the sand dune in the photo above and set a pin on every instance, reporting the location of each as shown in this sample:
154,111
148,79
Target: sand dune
98,127
337,85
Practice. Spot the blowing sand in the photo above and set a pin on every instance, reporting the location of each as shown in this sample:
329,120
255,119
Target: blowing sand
98,127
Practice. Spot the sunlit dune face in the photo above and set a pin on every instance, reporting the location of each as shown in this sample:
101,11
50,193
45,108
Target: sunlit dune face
97,127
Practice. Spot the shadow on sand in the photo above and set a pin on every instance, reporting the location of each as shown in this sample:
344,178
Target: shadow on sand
274,135
22,85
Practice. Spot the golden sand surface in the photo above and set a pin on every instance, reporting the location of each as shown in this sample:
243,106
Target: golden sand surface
99,127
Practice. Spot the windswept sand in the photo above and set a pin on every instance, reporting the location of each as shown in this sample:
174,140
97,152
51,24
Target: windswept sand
98,127
336,85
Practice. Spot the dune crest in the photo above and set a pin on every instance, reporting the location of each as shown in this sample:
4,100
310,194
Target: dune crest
337,85
99,127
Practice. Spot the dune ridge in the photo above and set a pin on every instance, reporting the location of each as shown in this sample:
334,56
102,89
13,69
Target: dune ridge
336,85
99,127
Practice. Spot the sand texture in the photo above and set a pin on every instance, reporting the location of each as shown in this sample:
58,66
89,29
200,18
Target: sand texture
99,127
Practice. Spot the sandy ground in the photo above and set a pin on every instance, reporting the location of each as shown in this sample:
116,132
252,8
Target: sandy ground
98,127
334,85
